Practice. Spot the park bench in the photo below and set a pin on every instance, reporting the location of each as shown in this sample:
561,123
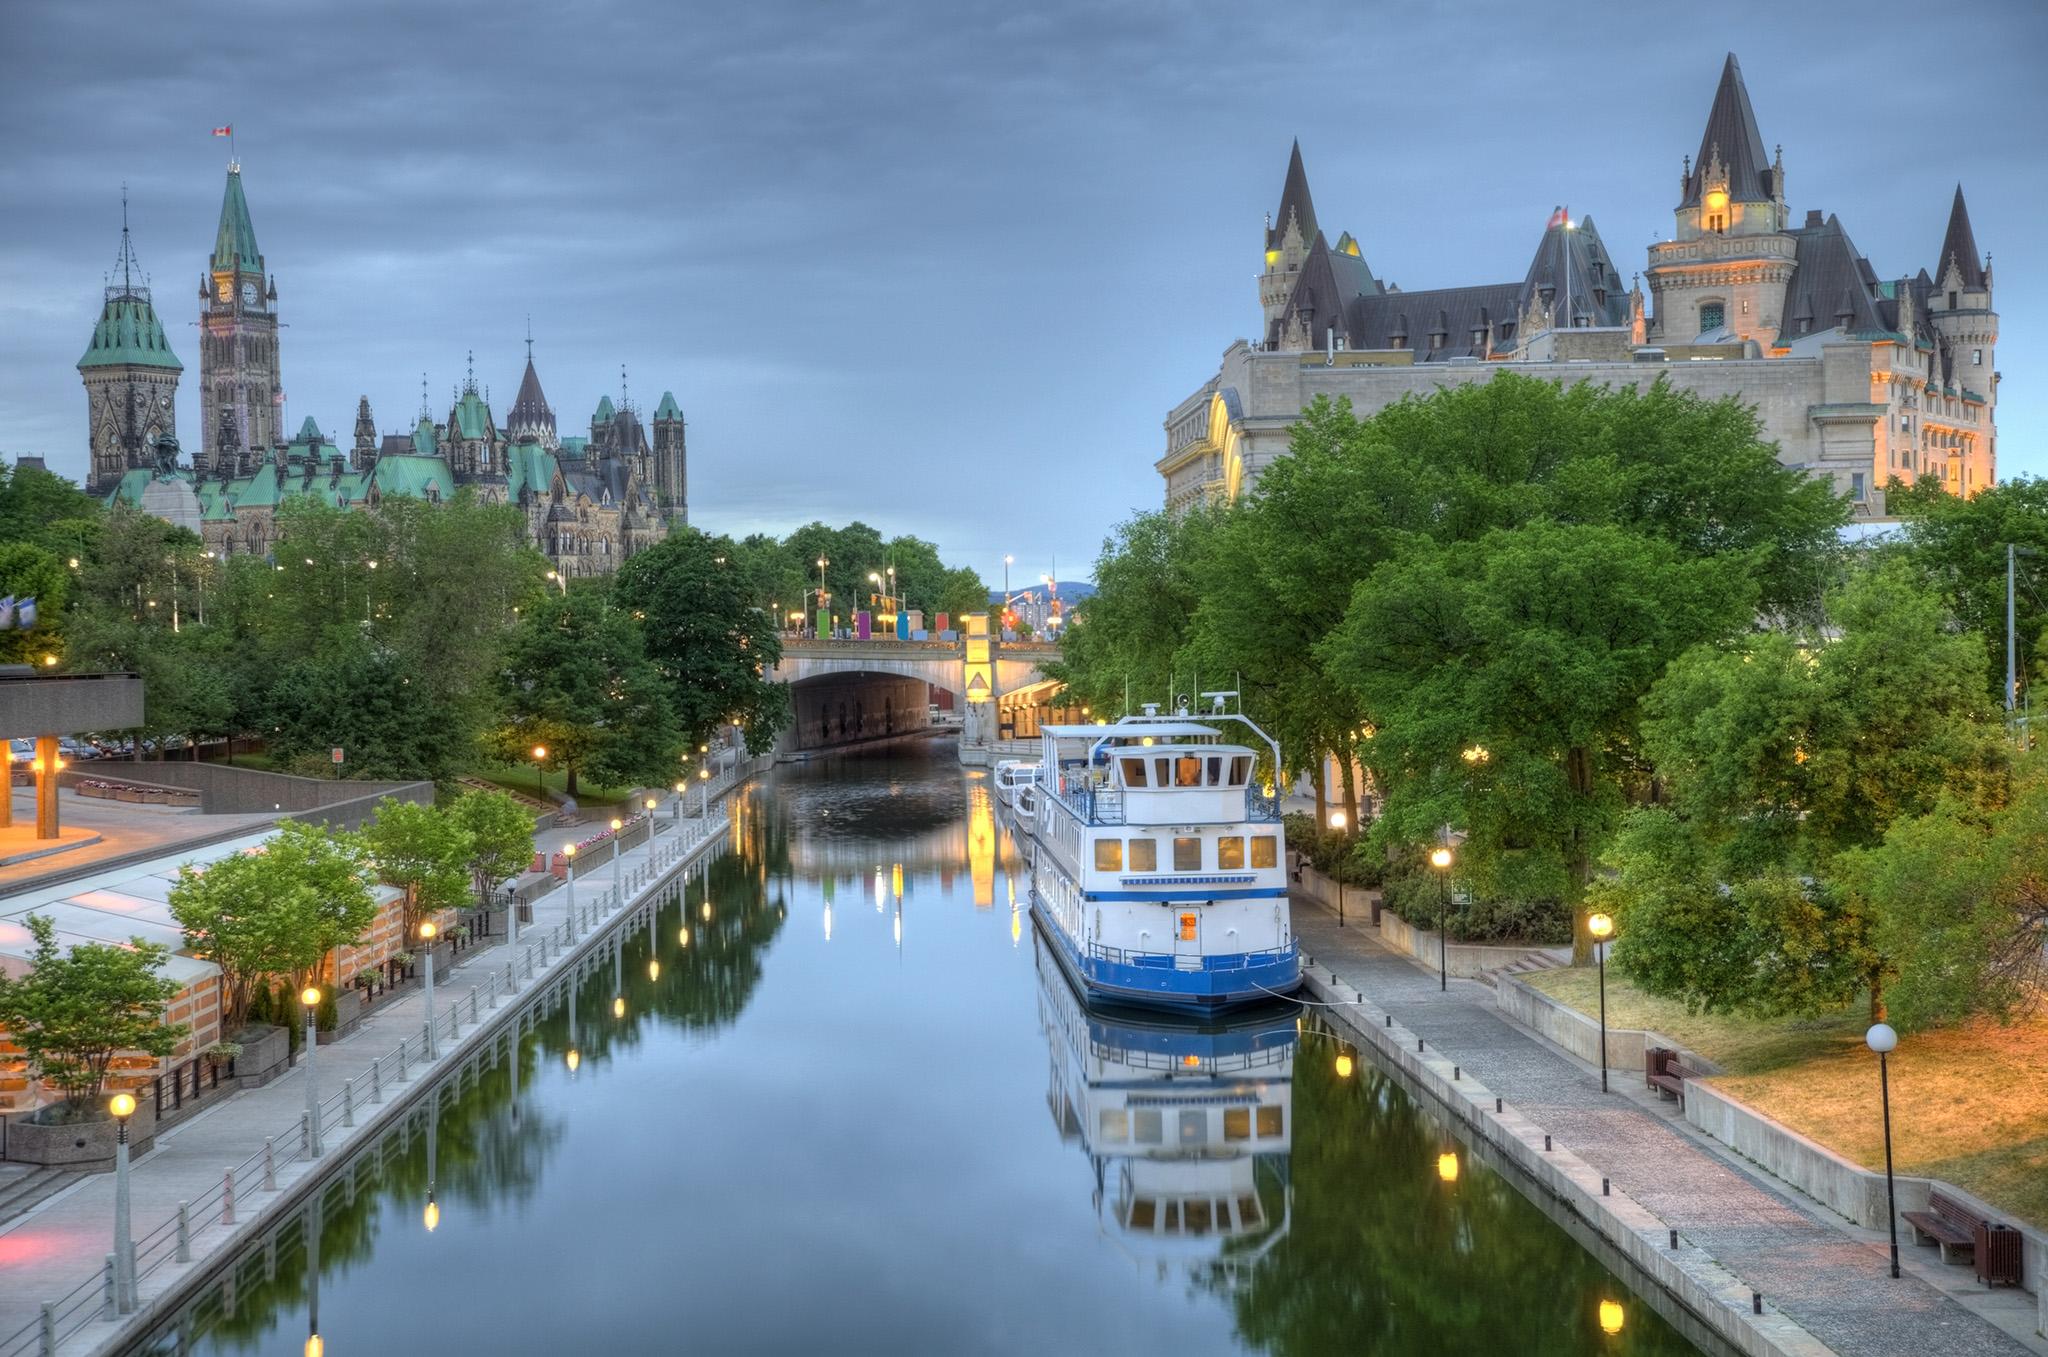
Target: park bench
1993,1248
1665,1072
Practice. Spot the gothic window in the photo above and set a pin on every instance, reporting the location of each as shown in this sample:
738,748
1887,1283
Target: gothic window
1951,301
1717,223
1856,486
1977,358
1713,316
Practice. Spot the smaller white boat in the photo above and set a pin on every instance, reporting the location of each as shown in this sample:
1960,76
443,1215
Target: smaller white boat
1016,778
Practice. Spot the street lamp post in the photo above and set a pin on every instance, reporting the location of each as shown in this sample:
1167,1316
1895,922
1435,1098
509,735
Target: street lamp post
1882,1039
122,1105
618,863
1337,822
703,792
540,772
1440,859
1601,927
681,787
427,932
309,1000
569,854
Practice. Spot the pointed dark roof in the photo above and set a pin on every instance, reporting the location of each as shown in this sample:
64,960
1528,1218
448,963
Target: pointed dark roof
234,245
1731,130
1598,298
1294,201
1960,244
1831,284
530,413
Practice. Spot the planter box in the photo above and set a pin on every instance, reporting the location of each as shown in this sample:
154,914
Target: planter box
348,1007
82,1146
266,1053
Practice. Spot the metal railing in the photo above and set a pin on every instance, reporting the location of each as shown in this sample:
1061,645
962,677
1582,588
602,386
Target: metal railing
94,1296
1225,961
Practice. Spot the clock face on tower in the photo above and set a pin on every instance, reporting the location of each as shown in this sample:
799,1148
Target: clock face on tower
248,294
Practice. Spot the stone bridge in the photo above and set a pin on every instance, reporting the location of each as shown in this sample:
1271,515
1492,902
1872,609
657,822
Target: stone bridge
847,691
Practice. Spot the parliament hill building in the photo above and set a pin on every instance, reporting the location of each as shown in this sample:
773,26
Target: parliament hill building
1856,376
590,501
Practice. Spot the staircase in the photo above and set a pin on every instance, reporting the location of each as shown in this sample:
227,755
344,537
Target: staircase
534,804
1541,959
25,1185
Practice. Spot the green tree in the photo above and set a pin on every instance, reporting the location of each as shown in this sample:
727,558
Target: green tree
500,837
1126,637
712,645
1958,546
39,507
389,720
424,851
76,1010
576,679
276,912
28,571
1505,674
1776,755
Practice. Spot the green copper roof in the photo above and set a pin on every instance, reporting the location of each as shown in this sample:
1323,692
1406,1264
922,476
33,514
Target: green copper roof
412,476
573,448
129,334
472,418
235,245
528,466
668,409
604,411
309,431
423,441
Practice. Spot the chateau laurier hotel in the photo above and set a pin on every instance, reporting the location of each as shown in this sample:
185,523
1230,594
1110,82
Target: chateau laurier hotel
1856,377
589,502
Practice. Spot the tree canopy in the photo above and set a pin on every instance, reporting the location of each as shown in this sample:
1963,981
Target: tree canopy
77,1009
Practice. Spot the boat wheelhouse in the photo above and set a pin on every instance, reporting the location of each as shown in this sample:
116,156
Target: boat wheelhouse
1012,776
1160,869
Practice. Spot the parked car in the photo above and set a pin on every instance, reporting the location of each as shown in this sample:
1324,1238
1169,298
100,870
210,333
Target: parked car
74,750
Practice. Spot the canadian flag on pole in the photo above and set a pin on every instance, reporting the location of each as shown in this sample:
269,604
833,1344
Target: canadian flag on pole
227,131
1561,217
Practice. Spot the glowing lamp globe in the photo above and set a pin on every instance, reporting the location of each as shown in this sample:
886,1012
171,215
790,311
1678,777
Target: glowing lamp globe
1882,1038
1600,926
122,1105
310,996
428,930
1440,858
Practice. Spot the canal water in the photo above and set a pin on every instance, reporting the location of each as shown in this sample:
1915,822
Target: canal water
860,1110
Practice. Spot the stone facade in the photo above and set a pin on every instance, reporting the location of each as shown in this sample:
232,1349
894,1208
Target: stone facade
1854,378
589,502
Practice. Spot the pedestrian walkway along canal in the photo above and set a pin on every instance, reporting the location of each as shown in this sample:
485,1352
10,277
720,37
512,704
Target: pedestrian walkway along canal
839,1101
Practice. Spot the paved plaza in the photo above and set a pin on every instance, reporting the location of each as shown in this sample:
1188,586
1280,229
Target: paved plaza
1825,1274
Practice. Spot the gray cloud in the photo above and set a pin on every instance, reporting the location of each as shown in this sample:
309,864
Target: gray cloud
943,267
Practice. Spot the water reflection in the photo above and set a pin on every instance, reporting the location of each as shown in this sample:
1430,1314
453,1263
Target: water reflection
1187,1128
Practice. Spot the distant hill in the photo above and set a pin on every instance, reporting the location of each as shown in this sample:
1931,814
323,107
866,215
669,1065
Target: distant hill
1070,591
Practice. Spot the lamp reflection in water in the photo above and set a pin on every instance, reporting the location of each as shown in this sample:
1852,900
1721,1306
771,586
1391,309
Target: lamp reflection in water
315,1345
573,1057
1611,1317
1187,1130
981,845
1447,1166
431,1217
619,979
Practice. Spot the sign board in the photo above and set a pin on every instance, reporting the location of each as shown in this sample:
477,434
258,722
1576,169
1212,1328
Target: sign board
335,754
979,662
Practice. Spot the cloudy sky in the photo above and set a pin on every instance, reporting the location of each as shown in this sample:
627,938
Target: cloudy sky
943,267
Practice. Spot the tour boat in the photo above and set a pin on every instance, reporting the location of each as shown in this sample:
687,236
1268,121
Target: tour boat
1187,1125
1159,871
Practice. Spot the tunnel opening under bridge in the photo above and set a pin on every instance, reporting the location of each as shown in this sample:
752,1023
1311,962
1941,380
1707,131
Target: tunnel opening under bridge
835,711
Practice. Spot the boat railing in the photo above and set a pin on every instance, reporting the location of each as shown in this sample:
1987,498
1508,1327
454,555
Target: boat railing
1167,961
1177,1064
1096,803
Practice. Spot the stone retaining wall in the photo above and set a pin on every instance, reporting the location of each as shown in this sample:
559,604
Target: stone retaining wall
1575,1032
1467,960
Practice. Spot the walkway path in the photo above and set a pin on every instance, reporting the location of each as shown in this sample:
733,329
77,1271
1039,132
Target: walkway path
1818,1272
57,1250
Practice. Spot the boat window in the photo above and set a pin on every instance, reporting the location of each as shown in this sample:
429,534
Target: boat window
1134,772
1142,1211
1215,770
1162,772
1147,1127
1116,1124
1272,1121
1144,855
1241,770
1187,855
1194,1126
1187,771
1197,1217
1187,927
1265,850
1237,1123
1248,1210
1171,1225
1230,853
1109,855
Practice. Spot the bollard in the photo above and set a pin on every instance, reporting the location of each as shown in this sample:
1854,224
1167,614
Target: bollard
529,959
107,1288
1756,1302
377,1081
46,1330
1546,1141
184,1254
491,984
1418,1043
1674,1239
402,1076
1606,1188
1390,1020
227,1197
269,1164
511,976
1496,1105
306,1134
1454,1074
348,1102
472,1003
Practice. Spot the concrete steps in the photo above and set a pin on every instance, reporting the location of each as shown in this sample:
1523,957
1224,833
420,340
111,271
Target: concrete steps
533,803
1541,959
19,1192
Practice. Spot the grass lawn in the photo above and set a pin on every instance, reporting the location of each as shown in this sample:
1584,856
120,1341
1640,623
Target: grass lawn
588,793
1969,1103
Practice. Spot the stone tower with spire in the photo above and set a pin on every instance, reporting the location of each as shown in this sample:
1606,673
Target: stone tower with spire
1960,311
364,455
130,375
238,358
1731,255
671,461
1288,237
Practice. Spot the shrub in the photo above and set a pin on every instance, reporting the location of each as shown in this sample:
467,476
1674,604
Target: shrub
328,1016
